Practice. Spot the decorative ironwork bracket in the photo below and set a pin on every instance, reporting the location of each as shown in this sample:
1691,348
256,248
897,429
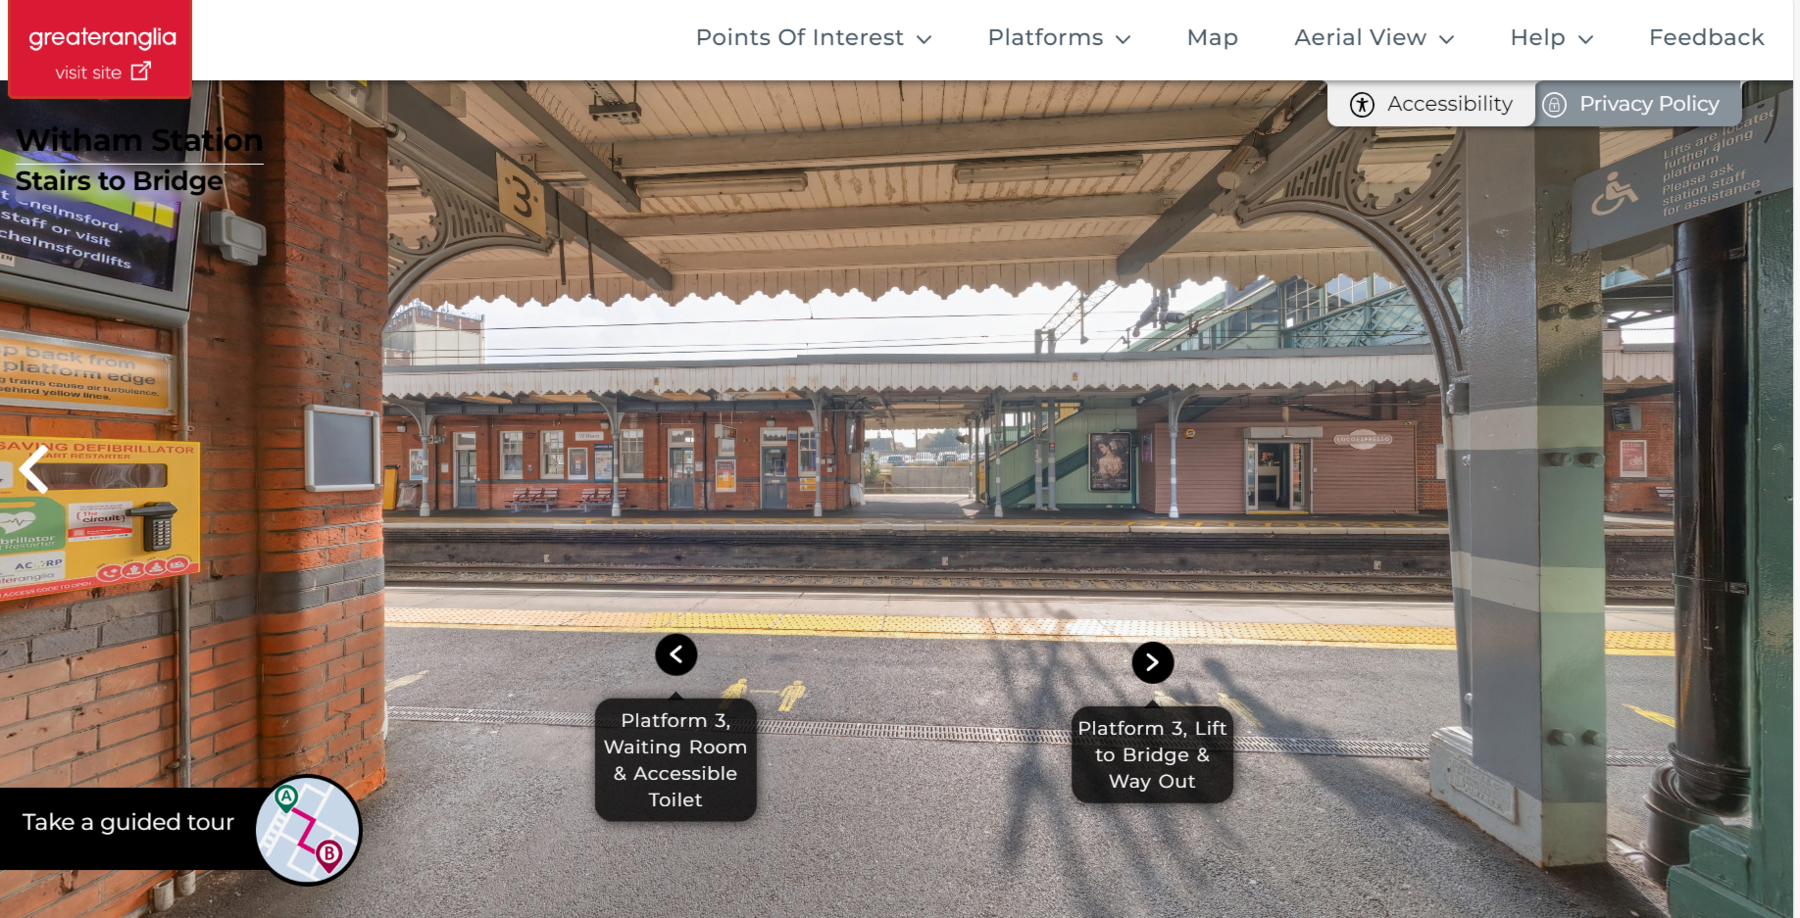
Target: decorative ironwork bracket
1421,233
464,222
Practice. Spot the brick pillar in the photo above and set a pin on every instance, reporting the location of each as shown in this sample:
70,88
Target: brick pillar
322,293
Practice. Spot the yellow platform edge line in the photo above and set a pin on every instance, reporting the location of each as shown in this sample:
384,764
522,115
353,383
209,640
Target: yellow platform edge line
795,622
1611,650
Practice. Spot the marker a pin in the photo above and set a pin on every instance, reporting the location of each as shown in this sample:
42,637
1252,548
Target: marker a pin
285,797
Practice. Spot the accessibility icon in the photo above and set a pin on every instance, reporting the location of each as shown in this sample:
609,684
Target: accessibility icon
1616,193
1362,105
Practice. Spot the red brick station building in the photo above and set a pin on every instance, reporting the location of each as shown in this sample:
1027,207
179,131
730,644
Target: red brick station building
1329,431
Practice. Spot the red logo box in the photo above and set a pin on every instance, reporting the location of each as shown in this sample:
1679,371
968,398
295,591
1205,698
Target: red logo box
100,49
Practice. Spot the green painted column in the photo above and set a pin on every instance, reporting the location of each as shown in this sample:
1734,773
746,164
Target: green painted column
1528,765
1736,871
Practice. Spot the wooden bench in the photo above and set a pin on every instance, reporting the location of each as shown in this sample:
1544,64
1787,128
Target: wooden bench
1666,492
534,497
598,497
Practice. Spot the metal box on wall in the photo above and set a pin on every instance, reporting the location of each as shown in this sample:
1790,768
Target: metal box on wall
77,514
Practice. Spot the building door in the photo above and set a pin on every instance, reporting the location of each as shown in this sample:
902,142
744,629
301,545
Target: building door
466,479
1277,477
1297,476
774,478
681,478
1250,502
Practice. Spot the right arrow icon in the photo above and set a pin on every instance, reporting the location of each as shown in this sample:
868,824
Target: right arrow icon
1152,662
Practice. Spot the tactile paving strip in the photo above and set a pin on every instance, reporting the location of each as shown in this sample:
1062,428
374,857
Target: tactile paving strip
1302,586
1050,628
1284,745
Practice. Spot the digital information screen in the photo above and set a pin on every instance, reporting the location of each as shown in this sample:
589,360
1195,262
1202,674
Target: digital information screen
82,203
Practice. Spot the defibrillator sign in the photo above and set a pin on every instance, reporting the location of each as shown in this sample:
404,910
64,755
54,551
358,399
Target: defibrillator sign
85,513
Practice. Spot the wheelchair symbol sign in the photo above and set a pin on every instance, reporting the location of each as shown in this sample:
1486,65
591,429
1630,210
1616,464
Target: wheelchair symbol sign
1615,193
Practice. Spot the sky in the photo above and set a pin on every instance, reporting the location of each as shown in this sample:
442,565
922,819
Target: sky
968,321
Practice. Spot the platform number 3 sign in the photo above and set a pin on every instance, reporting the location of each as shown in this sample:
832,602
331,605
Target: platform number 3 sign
521,195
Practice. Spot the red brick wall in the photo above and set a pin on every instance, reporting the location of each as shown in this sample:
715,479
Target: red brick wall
1428,431
323,303
1625,495
285,679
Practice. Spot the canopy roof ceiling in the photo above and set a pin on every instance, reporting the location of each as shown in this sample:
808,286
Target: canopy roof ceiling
931,388
873,187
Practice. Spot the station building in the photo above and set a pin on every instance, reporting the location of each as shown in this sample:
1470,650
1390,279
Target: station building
1280,430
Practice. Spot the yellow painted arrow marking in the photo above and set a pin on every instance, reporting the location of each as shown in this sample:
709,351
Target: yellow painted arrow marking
1663,719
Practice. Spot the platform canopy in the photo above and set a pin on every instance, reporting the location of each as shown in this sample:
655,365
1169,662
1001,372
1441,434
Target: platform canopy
741,188
925,389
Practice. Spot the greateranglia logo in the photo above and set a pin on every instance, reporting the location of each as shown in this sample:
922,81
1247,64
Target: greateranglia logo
102,49
143,41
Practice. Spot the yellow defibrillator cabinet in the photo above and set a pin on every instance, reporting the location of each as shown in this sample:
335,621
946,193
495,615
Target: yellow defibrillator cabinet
76,514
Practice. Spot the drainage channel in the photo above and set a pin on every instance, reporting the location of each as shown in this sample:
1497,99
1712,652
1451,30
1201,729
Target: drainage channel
1027,736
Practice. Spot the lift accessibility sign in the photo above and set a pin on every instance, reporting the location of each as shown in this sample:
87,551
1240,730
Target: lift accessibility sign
1692,175
77,514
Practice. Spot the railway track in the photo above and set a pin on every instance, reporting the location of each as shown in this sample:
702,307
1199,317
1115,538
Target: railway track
1132,582
954,557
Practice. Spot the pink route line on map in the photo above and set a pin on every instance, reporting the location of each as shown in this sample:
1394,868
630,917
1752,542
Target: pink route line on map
310,822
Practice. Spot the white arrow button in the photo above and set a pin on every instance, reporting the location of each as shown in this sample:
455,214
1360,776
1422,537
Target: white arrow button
25,469
1153,662
675,654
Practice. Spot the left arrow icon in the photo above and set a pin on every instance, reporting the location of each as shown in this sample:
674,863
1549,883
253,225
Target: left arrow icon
25,469
676,654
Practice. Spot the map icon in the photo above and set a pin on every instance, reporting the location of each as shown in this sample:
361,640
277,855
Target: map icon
308,830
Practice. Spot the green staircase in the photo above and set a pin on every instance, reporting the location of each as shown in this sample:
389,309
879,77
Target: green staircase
1068,475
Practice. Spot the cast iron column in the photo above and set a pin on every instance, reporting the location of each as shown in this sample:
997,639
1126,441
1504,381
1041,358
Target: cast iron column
1710,776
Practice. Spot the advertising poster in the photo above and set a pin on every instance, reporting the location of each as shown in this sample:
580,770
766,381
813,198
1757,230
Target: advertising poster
1109,468
416,464
603,463
725,475
1634,459
578,467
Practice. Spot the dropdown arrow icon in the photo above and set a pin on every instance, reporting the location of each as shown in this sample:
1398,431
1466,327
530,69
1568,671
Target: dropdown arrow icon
1446,39
923,39
1585,38
1122,39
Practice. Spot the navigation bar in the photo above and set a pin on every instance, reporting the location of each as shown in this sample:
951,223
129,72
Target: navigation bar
942,40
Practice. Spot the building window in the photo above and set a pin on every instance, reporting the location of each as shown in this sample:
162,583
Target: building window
512,454
631,454
681,437
809,452
551,441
